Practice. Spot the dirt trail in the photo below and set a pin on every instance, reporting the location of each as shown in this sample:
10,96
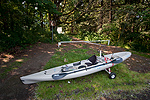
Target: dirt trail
37,56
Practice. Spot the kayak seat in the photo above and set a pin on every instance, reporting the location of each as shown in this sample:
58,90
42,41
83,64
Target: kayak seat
76,64
92,59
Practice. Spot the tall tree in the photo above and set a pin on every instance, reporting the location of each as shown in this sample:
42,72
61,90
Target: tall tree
101,14
110,12
19,20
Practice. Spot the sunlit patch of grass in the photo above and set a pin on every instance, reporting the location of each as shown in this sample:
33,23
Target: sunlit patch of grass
126,47
91,86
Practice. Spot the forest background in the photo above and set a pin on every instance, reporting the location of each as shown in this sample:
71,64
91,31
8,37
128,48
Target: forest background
125,22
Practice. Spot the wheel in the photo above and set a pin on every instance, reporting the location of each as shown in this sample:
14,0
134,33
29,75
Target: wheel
112,75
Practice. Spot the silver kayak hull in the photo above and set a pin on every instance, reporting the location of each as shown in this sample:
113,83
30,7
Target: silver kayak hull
77,70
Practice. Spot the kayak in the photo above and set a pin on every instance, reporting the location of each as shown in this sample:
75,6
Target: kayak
79,68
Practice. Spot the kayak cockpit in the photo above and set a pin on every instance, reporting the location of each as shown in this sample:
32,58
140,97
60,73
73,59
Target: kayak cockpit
79,65
93,60
67,68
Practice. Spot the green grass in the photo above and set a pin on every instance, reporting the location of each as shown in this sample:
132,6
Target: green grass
141,54
91,86
71,56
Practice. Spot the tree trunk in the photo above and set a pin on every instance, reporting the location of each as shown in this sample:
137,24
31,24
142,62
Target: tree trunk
127,1
11,22
110,12
142,2
101,15
146,28
49,17
41,16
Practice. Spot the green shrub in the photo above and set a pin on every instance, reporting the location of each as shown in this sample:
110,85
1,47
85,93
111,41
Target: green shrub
141,43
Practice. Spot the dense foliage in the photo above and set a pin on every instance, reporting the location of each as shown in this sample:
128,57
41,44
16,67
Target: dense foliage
131,26
20,22
124,22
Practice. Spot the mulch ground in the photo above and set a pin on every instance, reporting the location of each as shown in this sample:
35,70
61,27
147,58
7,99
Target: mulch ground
37,56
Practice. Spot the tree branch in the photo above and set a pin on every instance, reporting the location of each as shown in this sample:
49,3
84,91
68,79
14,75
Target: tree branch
75,8
69,14
74,19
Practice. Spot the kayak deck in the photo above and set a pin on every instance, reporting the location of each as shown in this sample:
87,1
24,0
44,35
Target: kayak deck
77,69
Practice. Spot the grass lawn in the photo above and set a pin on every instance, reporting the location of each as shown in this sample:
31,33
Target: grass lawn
91,86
